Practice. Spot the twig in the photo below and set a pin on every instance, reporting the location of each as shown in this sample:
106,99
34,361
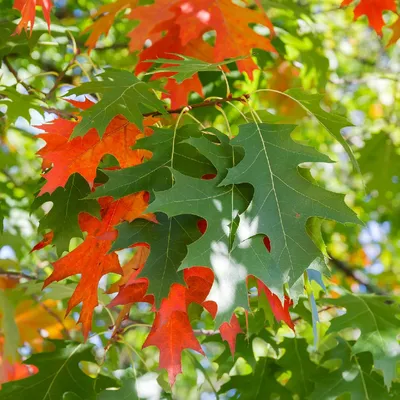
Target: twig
15,73
55,316
16,275
205,103
61,113
357,275
60,77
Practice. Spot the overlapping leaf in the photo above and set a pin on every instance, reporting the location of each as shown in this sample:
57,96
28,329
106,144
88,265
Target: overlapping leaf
259,385
92,259
169,150
354,377
123,94
83,154
283,200
68,203
220,207
167,240
377,318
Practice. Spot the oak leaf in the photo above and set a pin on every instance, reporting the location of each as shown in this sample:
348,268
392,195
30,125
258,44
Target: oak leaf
83,154
105,17
280,311
373,9
395,27
171,331
28,13
231,22
229,331
92,259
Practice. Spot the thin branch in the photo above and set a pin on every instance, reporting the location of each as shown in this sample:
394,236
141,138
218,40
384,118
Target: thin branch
15,74
205,103
54,315
16,275
60,77
357,275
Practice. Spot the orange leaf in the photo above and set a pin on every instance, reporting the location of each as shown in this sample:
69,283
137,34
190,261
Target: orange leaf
31,317
150,17
280,311
14,371
373,9
229,331
231,22
83,154
395,27
47,239
28,13
105,17
131,269
91,259
171,331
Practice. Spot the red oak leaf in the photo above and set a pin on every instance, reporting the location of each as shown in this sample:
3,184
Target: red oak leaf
171,331
229,331
105,17
28,13
92,259
150,17
231,22
172,337
280,311
163,48
14,371
395,27
131,269
47,239
83,154
373,9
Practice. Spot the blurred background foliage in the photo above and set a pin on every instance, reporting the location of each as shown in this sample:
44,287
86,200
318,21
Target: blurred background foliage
320,49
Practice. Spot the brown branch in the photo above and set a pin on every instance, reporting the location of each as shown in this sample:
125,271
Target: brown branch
357,275
205,103
60,77
15,74
16,275
54,315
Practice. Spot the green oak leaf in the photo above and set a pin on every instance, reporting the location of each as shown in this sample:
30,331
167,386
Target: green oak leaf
220,207
127,390
123,94
377,318
168,240
68,203
169,150
185,67
380,160
283,200
353,377
59,373
260,385
333,123
297,360
18,105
